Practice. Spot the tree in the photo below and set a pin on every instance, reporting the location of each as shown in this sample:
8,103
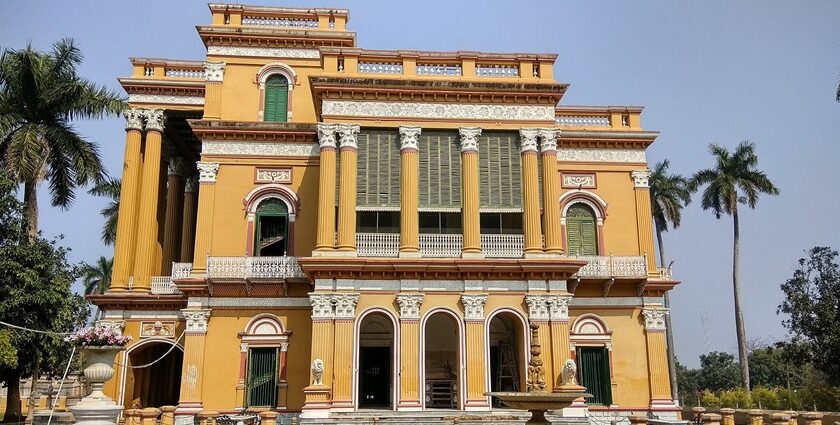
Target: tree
110,188
40,94
734,180
812,304
669,193
768,368
718,371
688,381
34,293
97,278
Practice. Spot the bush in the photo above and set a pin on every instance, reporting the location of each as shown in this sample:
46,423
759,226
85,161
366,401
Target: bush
765,398
736,398
789,400
709,400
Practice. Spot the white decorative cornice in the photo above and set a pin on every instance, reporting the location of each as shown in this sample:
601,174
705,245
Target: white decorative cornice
263,52
191,184
154,119
326,135
214,71
217,147
529,139
474,306
349,135
196,320
558,307
133,119
176,166
654,318
207,171
345,305
469,138
601,155
354,108
548,140
322,306
641,178
410,306
408,137
537,307
166,99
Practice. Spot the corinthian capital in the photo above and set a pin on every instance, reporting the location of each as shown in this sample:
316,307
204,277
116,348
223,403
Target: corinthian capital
408,137
529,139
409,306
548,142
469,138
654,318
214,71
207,171
349,134
133,119
326,135
473,306
154,119
196,320
641,178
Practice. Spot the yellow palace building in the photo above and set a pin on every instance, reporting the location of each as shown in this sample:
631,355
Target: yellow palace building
315,228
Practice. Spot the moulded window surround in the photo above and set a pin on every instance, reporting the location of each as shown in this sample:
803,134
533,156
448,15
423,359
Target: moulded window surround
272,72
576,201
591,345
276,103
581,230
271,210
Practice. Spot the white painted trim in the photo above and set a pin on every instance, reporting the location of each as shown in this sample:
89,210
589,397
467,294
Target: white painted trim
587,199
526,353
355,108
461,355
166,99
395,361
283,192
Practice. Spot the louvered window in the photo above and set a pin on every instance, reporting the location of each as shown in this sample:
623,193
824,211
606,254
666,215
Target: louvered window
272,228
581,233
440,170
276,106
378,184
262,377
500,171
594,373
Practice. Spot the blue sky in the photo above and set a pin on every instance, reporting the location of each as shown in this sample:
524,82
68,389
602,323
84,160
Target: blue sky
706,71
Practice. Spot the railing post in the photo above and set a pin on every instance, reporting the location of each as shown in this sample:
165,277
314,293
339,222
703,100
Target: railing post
638,419
756,417
711,419
728,416
780,418
793,416
813,418
167,415
207,417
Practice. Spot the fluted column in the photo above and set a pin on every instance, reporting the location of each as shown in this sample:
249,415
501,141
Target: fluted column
660,384
530,191
174,214
207,172
188,222
644,221
476,349
558,316
409,194
409,351
149,193
214,73
551,193
129,195
347,187
192,375
539,313
470,213
326,188
345,317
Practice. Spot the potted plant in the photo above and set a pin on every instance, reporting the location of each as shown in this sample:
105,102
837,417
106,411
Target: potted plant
100,345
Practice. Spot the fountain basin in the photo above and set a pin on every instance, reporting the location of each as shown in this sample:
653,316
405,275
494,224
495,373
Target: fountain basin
538,402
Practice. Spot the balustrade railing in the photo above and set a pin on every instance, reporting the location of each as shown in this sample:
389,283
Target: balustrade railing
181,270
448,70
273,21
612,266
584,120
184,73
435,245
253,268
378,244
163,285
381,67
496,70
502,246
664,273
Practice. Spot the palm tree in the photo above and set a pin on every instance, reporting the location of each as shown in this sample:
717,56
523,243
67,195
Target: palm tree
40,94
97,278
734,180
110,188
669,193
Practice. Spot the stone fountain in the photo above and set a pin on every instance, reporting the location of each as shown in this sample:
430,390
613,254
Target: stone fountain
537,400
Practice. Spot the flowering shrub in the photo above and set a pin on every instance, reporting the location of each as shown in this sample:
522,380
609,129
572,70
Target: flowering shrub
99,336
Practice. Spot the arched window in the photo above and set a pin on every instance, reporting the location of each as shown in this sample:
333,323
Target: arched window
581,233
276,106
272,228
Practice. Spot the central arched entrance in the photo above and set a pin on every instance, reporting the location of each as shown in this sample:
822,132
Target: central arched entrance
376,362
158,384
506,353
442,360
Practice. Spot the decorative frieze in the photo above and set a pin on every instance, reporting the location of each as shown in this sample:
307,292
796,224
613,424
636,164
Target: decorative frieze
263,52
641,178
207,171
273,175
654,318
601,155
196,320
212,147
349,135
529,139
579,181
558,307
473,306
157,329
326,135
214,71
537,308
410,306
353,108
469,138
345,305
548,140
166,99
408,137
154,119
322,306
133,119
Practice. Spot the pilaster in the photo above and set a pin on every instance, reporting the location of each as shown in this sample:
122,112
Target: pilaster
207,172
192,375
551,192
347,187
326,196
409,349
147,221
345,317
319,393
530,191
475,351
124,246
660,385
644,215
174,213
409,195
470,213
214,74
558,315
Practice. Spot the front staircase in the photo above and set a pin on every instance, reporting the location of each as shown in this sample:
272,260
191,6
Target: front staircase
436,417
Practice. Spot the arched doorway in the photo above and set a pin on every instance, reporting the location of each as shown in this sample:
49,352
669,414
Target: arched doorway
442,359
156,385
376,362
506,353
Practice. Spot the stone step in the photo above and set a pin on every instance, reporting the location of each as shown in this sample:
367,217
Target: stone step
382,417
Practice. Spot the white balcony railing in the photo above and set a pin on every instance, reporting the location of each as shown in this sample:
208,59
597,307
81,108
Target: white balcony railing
502,246
613,266
583,120
378,244
253,268
181,270
435,245
664,273
163,285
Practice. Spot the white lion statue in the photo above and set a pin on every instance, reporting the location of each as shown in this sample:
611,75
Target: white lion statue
317,372
569,372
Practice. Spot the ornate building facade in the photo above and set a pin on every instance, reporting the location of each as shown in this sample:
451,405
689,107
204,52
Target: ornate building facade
309,226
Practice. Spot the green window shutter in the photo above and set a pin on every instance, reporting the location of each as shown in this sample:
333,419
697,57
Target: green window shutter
499,169
594,369
581,232
573,243
276,105
378,167
262,377
440,169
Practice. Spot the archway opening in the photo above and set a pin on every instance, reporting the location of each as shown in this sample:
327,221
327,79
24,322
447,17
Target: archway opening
156,385
442,359
376,369
507,358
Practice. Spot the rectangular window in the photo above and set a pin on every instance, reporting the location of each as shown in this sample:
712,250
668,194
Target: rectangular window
500,170
378,180
501,223
262,377
440,169
594,370
440,222
378,222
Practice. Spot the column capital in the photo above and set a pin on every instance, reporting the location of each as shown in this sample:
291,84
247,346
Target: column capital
322,306
207,171
529,139
196,320
474,306
326,135
409,306
537,308
214,71
408,137
469,138
549,140
558,307
191,184
154,119
654,318
175,166
349,135
133,119
641,178
345,305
